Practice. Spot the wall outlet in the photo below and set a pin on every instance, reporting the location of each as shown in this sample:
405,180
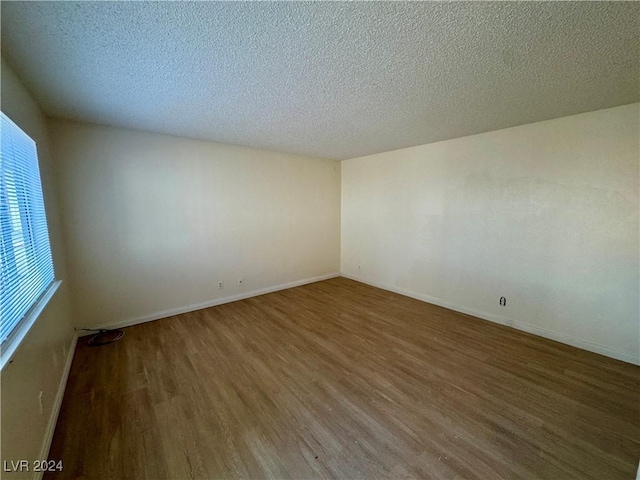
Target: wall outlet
503,301
220,285
41,402
241,281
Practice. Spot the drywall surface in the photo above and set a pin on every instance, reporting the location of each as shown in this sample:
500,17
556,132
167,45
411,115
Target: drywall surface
154,222
544,214
38,364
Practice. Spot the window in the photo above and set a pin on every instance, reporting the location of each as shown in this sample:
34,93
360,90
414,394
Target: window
26,267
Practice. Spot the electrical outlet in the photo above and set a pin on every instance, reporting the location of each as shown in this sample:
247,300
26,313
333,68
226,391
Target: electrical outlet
241,281
220,285
503,301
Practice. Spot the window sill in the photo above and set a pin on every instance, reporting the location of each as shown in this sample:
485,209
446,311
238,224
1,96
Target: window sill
11,344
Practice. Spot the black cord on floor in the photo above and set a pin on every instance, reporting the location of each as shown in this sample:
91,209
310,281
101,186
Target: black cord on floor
105,337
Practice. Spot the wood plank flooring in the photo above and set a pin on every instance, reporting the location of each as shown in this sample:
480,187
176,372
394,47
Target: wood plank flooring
338,379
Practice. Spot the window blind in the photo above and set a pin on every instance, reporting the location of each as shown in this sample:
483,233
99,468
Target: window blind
26,266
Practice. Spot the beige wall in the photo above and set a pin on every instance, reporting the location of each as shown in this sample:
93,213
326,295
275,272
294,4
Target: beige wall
154,221
544,214
39,362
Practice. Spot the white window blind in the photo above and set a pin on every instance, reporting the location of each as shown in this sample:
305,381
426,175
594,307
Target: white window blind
26,267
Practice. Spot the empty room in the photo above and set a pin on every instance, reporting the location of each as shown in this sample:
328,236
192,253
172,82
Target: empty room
300,240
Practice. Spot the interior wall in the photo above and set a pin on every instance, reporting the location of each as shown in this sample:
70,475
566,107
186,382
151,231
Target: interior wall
39,363
155,221
544,214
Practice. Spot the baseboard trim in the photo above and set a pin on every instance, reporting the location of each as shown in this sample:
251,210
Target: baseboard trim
211,303
510,322
57,404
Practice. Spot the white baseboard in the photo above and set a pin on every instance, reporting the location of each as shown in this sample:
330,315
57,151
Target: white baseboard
57,403
517,324
211,303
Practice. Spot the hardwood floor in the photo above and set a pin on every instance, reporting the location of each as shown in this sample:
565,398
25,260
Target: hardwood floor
341,380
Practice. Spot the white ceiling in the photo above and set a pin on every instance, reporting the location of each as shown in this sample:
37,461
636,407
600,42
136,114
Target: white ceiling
332,79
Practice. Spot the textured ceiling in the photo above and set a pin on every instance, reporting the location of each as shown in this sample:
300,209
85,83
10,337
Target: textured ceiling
330,79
